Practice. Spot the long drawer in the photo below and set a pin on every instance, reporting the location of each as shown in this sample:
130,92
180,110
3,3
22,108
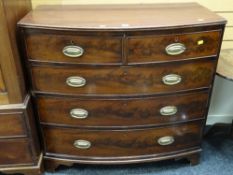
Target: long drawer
121,143
82,112
172,47
15,151
125,80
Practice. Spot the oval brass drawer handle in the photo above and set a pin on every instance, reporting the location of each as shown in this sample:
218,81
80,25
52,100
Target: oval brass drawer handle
168,110
73,51
75,81
175,49
79,113
82,144
166,140
171,79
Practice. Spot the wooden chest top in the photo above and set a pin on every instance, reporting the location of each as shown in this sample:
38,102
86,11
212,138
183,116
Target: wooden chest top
121,17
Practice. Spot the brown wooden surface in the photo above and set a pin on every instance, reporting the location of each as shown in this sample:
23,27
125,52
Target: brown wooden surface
37,169
99,49
51,163
3,91
17,155
4,98
2,83
121,143
31,121
194,159
19,145
128,80
15,151
122,112
151,48
48,47
122,87
121,16
12,125
10,12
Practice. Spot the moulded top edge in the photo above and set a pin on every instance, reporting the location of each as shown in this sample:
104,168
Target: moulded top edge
120,17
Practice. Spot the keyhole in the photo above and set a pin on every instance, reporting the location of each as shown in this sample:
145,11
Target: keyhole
176,39
71,42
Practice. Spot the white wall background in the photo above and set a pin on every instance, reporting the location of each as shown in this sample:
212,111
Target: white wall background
221,106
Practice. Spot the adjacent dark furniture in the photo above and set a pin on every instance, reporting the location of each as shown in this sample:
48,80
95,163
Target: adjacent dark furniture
19,144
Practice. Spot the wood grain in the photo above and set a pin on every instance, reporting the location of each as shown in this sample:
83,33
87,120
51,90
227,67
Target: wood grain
12,125
151,48
48,47
36,169
10,12
120,143
124,89
4,98
125,80
15,152
19,145
2,84
129,112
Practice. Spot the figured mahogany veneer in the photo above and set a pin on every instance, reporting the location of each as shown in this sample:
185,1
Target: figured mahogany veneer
151,48
121,112
108,49
102,75
48,47
127,144
127,80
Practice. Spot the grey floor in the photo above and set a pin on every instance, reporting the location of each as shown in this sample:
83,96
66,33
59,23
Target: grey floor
216,159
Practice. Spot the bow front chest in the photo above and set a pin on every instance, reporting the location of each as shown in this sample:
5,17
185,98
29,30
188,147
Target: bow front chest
123,83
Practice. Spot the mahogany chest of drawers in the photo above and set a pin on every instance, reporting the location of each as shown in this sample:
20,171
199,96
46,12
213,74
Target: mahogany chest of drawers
121,84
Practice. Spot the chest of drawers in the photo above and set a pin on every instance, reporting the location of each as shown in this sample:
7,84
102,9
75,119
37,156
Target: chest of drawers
121,84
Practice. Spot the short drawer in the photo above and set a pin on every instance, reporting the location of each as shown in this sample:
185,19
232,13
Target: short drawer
125,80
121,143
15,151
173,47
73,48
122,112
12,125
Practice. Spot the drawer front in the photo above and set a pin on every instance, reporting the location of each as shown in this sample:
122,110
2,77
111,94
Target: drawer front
12,125
172,47
121,112
123,80
74,49
15,151
95,143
